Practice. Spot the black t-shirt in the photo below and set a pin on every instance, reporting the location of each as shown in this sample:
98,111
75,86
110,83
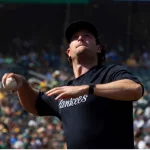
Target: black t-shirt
93,122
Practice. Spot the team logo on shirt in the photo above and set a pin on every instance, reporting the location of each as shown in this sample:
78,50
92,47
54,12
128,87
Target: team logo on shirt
72,101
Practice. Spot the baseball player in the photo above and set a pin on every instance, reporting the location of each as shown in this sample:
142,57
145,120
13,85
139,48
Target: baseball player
96,106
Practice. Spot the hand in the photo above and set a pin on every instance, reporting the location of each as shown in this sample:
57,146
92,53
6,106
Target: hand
68,91
19,79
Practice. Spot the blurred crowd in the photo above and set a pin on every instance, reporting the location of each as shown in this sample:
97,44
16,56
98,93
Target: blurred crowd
141,115
138,62
19,129
137,56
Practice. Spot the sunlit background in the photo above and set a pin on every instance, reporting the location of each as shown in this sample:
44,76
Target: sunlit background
32,44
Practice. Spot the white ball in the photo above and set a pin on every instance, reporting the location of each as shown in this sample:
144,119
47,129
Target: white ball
10,84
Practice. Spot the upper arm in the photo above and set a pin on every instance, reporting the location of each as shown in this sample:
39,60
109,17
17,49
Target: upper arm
46,106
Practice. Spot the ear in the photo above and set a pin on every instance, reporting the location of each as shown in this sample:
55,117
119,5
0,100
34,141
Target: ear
99,48
68,52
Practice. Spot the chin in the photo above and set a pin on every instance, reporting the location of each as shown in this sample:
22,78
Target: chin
82,48
82,53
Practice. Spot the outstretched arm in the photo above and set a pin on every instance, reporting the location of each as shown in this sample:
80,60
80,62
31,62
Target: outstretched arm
124,89
120,90
27,95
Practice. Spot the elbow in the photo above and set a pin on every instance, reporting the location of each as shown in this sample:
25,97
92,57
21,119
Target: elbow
138,92
34,112
31,110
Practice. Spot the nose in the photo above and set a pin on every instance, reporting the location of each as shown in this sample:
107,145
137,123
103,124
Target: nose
80,38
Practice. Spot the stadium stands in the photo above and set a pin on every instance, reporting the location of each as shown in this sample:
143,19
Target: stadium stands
33,46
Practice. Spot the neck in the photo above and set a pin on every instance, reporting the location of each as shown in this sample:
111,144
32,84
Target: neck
80,68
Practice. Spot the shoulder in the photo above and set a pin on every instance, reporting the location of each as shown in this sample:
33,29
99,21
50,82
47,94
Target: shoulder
113,68
115,72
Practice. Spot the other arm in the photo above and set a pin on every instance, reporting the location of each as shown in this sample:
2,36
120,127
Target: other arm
124,89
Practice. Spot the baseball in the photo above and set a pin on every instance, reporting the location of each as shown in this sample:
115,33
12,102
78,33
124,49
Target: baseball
10,84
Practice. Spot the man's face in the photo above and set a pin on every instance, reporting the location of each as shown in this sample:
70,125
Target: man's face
83,42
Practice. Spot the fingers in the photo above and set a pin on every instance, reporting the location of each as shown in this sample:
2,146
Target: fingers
4,78
52,90
18,78
60,91
7,75
61,96
65,95
56,92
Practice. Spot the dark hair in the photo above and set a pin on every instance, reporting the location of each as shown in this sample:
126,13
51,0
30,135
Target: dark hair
100,56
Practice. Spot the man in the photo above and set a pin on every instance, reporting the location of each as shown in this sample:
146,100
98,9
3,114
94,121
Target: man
96,107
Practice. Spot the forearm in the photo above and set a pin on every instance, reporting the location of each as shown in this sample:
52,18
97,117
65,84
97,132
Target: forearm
27,97
119,90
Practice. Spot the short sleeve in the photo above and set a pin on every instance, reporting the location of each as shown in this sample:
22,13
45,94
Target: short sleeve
47,106
119,72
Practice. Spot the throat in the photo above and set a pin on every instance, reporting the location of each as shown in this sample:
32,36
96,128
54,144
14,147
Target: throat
81,66
80,70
